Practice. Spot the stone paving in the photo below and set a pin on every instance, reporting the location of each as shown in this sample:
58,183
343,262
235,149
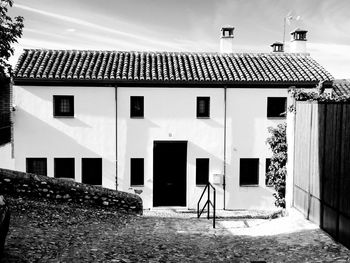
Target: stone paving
51,232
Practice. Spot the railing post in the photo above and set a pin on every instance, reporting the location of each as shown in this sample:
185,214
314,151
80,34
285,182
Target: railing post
208,200
214,208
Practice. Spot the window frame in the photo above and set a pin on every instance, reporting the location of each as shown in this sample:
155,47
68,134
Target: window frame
250,165
57,100
133,113
206,114
141,176
64,158
199,182
269,108
36,159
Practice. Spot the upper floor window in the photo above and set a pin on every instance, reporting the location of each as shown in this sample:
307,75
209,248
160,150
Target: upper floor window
63,106
276,107
36,166
203,107
136,107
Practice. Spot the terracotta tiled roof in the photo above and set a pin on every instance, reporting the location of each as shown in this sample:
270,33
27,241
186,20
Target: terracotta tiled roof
118,66
341,87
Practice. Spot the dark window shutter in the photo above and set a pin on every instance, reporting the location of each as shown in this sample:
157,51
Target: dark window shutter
36,166
64,167
91,171
202,171
136,171
249,171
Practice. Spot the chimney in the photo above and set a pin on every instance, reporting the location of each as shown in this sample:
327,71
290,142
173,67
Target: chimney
277,47
298,41
226,40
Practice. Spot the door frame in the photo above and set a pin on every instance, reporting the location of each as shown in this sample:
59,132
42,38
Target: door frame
186,178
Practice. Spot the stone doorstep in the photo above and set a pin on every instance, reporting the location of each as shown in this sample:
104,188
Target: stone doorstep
220,214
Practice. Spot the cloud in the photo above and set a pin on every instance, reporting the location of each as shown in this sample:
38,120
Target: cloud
97,27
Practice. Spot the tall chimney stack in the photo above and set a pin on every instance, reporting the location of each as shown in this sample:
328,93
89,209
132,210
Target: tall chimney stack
298,41
226,40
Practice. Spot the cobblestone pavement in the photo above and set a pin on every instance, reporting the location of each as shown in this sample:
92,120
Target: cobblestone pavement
43,232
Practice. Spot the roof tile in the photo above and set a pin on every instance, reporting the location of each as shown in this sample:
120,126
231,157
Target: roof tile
164,66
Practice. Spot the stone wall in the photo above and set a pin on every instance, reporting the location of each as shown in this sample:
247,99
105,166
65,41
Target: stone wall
24,184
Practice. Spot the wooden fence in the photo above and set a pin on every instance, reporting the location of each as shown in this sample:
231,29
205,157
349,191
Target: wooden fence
322,166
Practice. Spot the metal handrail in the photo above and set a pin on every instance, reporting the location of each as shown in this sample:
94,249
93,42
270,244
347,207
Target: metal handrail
208,203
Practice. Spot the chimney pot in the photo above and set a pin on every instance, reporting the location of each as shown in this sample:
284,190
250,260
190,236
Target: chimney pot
277,47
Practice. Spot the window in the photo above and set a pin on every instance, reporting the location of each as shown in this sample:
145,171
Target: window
202,171
91,171
276,107
64,168
36,166
267,165
136,171
203,107
136,107
63,106
249,171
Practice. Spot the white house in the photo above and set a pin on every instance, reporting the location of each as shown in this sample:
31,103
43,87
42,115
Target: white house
158,123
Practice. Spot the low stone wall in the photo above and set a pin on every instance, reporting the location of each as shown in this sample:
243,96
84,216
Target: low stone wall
4,223
25,184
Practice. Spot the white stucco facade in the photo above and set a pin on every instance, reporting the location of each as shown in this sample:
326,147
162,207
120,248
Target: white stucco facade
90,134
102,128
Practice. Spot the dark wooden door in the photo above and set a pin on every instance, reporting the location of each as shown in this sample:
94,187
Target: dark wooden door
169,173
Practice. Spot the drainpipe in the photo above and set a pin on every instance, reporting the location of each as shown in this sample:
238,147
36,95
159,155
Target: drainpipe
116,137
224,177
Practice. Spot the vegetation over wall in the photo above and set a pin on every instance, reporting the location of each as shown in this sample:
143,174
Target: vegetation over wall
277,170
24,184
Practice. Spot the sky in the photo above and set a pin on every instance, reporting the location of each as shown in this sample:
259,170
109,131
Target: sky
187,25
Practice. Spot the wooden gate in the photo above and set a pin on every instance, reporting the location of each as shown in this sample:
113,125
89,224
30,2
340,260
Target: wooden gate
322,166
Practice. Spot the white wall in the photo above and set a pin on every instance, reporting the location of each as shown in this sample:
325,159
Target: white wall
246,136
6,160
170,114
91,133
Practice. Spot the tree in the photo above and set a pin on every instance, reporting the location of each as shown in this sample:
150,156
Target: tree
10,32
277,171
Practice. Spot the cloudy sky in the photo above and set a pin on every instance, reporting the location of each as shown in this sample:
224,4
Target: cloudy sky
186,25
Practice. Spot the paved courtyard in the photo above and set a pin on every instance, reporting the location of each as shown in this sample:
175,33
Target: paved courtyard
44,232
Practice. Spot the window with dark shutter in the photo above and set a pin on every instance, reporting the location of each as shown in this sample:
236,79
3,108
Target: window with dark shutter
276,107
203,107
202,171
91,171
63,106
64,168
136,171
249,171
267,165
36,166
136,106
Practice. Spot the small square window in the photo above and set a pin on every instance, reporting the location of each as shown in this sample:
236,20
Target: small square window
276,107
64,168
267,165
136,171
136,106
249,171
63,106
91,171
202,171
36,166
203,107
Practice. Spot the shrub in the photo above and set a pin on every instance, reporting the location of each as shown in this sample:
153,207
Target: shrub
277,170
